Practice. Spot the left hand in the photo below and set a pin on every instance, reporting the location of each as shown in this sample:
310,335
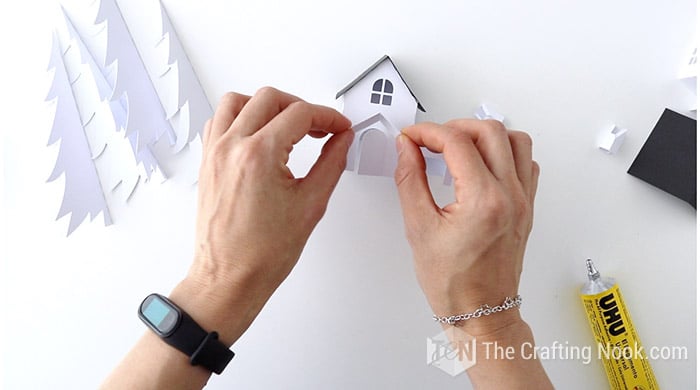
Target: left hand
254,216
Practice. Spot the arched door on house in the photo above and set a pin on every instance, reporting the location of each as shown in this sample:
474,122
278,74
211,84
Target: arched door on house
373,144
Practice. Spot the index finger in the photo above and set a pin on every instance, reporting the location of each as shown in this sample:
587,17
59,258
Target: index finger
259,110
300,118
491,139
226,113
461,155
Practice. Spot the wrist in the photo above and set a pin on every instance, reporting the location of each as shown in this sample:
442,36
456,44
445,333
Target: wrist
491,326
226,304
479,313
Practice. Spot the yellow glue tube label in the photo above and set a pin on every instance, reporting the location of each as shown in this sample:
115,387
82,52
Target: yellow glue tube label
619,349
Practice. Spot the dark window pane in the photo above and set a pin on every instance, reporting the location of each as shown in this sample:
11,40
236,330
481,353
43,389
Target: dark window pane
387,100
388,87
375,98
377,87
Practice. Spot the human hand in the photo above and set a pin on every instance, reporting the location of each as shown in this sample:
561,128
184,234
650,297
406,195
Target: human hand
470,252
253,220
254,217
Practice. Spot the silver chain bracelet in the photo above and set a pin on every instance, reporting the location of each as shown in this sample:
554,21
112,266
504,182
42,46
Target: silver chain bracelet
483,310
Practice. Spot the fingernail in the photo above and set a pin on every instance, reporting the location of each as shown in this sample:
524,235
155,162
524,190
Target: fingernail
400,140
349,138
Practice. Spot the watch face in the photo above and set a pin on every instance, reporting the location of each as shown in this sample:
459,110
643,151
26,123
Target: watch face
160,314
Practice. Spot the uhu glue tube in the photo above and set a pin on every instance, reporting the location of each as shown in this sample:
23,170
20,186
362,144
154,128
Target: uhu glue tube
619,348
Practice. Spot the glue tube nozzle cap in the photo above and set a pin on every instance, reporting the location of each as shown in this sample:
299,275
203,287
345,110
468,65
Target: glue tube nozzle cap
593,273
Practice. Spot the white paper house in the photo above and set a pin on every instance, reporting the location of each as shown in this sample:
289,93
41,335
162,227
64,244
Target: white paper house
379,103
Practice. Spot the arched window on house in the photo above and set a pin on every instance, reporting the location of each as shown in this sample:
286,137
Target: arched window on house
382,91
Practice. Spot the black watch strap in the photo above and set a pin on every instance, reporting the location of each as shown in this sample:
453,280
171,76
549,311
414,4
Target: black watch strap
203,348
212,354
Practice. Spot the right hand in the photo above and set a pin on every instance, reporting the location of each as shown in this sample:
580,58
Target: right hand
470,252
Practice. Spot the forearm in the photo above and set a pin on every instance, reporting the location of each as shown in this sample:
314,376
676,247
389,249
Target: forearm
503,363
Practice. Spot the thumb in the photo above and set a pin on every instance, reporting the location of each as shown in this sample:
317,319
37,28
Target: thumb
417,201
325,173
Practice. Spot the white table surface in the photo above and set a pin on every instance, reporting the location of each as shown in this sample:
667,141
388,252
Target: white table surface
351,315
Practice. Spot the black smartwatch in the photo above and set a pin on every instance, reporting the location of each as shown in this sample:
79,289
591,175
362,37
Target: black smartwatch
178,329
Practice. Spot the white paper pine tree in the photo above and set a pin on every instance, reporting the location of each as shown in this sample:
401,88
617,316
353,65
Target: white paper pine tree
116,165
105,81
83,193
178,88
114,84
145,115
172,75
188,107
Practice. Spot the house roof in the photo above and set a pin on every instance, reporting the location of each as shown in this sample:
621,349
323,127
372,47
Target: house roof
371,68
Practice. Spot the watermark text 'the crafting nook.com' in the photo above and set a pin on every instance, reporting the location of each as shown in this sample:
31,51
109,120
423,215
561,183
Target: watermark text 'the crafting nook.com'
454,351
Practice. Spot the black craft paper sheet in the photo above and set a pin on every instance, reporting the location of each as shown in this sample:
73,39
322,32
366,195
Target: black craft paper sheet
668,158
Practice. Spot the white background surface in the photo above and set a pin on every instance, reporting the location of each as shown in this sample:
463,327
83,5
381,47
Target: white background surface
351,314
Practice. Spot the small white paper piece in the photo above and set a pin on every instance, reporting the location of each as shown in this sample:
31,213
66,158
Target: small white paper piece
485,112
689,75
379,103
435,166
611,140
689,68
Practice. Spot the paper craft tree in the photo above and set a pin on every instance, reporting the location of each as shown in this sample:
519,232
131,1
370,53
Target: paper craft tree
116,164
181,94
145,117
171,76
93,53
128,89
83,194
379,103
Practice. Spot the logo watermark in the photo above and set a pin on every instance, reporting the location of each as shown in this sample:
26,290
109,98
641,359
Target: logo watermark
452,351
